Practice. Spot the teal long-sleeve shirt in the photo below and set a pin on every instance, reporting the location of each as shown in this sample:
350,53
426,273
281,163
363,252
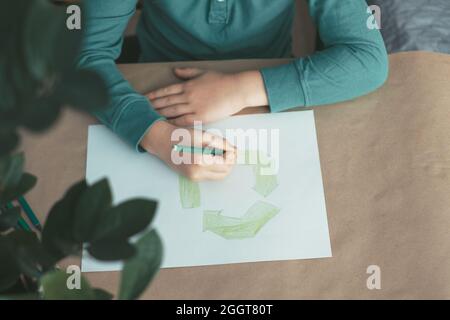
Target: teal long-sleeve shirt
353,61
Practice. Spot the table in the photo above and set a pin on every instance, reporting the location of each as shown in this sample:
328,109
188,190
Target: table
386,168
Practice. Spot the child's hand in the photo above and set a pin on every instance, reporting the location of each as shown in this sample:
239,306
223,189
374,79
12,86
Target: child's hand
158,141
208,96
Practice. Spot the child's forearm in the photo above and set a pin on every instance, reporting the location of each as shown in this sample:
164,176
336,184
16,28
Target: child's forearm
208,96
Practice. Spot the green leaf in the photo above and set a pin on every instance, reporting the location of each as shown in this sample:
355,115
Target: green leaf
8,141
17,256
54,287
101,294
89,209
9,270
26,183
36,255
22,238
141,269
43,114
57,236
38,53
26,248
12,51
127,219
21,296
84,90
51,46
21,84
11,168
111,250
9,218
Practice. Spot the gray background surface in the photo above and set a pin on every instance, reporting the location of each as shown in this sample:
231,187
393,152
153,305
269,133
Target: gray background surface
415,24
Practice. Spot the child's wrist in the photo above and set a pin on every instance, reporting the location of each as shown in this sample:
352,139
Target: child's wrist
252,92
157,135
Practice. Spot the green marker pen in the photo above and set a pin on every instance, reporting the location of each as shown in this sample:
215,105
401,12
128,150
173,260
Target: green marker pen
199,150
29,212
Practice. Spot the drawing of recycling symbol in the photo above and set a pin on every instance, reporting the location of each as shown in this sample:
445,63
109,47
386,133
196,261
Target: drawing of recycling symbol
248,225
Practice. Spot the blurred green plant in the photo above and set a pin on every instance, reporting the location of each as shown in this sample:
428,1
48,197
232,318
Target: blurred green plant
38,77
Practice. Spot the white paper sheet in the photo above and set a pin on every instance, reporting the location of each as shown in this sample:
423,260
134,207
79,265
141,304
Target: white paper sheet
298,231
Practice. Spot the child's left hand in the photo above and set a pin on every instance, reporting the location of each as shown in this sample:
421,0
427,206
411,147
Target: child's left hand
207,95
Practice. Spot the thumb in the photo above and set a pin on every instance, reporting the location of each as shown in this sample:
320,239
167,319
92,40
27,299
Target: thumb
188,73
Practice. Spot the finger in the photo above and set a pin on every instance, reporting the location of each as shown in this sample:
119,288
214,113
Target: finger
212,175
183,121
226,160
175,111
220,168
230,158
169,101
198,173
188,73
205,160
215,141
169,90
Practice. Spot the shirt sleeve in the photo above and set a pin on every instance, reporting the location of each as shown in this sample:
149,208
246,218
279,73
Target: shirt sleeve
129,114
353,62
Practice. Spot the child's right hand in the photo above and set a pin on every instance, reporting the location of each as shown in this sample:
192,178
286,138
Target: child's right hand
158,141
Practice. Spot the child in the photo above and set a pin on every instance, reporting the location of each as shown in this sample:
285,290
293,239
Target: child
352,63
